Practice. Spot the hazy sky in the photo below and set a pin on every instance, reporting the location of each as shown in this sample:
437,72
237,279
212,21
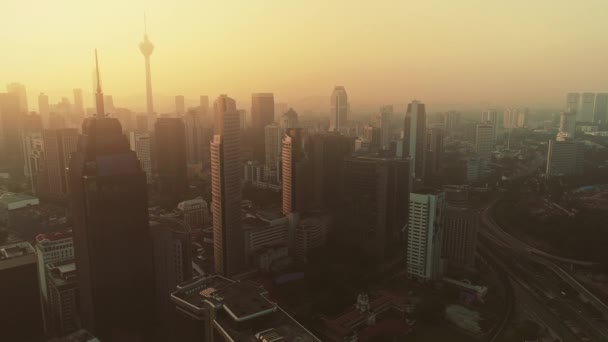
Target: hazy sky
382,51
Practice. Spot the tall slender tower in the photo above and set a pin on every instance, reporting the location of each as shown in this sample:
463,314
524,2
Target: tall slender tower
146,47
113,247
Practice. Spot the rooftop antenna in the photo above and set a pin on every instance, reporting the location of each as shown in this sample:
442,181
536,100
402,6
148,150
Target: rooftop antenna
99,93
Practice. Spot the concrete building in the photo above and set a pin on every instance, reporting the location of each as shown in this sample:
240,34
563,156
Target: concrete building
414,139
262,115
567,124
62,297
198,135
338,110
58,147
485,141
215,309
452,121
312,231
289,119
573,102
600,109
44,108
11,151
226,189
296,178
12,202
21,316
141,143
460,225
272,139
424,241
33,151
385,120
264,231
434,152
586,109
564,158
375,204
195,212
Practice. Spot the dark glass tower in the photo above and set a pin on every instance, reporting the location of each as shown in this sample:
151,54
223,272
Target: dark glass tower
171,160
111,234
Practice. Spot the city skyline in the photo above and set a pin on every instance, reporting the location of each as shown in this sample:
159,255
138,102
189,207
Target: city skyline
453,61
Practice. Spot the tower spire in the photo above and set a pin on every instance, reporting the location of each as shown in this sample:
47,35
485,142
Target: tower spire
99,93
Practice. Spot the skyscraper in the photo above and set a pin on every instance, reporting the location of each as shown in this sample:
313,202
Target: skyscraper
11,152
295,178
289,119
485,141
18,90
434,151
600,109
43,106
414,138
272,137
262,115
59,144
567,124
146,47
228,245
459,236
384,120
586,107
78,109
171,166
564,158
109,207
573,101
424,234
338,110
452,121
140,142
197,140
180,105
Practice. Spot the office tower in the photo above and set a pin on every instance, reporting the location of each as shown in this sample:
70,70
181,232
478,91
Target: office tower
272,139
146,47
567,124
21,314
338,110
585,113
600,109
140,143
18,90
228,245
43,105
384,120
262,115
59,144
214,308
489,116
78,109
172,266
564,158
375,193
11,152
295,172
509,117
289,119
195,212
242,119
33,151
573,101
452,121
109,206
434,150
180,105
51,248
372,135
326,153
62,297
460,225
414,138
312,232
522,118
485,141
197,138
170,156
424,231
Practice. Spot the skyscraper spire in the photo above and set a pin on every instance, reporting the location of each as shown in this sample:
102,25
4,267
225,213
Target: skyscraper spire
146,47
99,93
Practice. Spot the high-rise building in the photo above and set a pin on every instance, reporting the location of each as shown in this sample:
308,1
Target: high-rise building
414,138
522,118
146,47
43,106
62,297
272,138
485,141
172,266
78,109
600,109
295,176
140,143
452,121
180,105
21,314
510,117
195,213
59,144
426,210
573,102
109,206
262,115
385,120
567,124
375,207
11,152
564,158
18,90
289,119
327,153
434,151
170,143
33,151
460,226
586,107
489,116
228,243
338,110
197,137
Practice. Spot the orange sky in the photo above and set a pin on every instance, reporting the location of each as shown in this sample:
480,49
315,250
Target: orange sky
443,52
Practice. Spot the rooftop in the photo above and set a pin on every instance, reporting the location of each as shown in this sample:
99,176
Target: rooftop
16,250
11,197
62,273
41,238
